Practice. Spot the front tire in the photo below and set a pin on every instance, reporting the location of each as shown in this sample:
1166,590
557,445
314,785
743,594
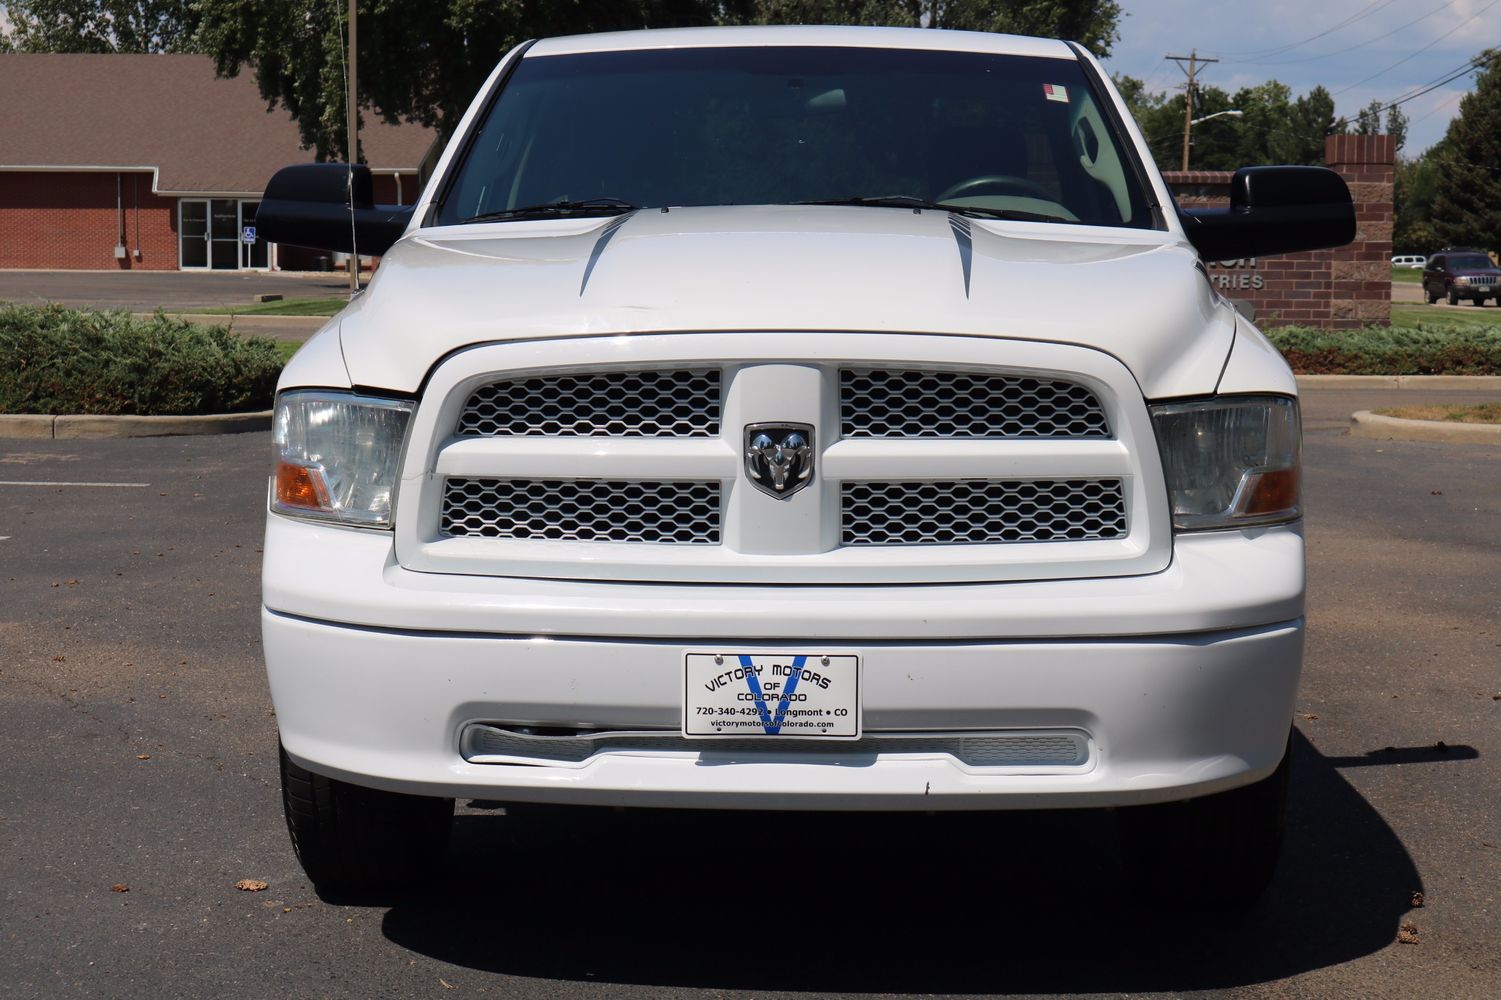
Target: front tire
362,840
1453,297
1432,296
1214,852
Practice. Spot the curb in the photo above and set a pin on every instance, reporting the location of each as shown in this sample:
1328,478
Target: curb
1373,425
1478,383
46,425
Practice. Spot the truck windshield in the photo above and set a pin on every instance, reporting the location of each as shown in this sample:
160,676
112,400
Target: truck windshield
1018,137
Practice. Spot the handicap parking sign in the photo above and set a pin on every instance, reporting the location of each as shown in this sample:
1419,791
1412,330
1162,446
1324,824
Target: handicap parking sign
248,235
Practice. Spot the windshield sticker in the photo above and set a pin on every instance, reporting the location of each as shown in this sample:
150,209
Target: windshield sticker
1055,92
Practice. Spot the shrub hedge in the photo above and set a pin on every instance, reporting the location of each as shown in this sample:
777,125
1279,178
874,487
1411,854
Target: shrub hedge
58,360
1397,350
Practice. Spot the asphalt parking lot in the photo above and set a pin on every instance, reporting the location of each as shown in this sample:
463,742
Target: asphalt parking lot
140,755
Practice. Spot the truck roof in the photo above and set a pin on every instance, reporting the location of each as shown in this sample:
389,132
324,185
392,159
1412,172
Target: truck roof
831,35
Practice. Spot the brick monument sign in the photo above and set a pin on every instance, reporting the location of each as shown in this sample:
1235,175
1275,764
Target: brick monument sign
1335,289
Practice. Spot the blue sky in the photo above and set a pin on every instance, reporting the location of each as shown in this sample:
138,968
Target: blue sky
1368,49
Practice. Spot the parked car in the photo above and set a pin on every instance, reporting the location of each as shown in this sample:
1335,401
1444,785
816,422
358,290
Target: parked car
725,428
1409,260
1461,273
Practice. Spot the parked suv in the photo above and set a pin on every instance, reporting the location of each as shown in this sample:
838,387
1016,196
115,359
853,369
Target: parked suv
1410,260
725,428
1462,273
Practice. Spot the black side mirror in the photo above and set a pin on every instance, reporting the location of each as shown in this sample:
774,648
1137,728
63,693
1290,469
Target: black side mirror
327,206
1274,210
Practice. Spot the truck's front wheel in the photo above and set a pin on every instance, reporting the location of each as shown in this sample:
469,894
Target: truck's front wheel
1218,851
360,840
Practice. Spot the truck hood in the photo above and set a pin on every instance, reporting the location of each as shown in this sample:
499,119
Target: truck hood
1137,295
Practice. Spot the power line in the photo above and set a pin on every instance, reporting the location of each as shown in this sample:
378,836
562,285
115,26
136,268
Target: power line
1415,54
1448,76
1368,9
1349,48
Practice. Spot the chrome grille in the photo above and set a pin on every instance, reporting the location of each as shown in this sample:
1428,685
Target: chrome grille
582,510
914,403
496,744
979,511
677,403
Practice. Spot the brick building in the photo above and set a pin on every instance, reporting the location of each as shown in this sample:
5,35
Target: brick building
1335,289
152,162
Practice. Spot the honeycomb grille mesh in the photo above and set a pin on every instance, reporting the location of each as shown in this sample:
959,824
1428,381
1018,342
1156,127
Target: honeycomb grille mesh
910,403
680,403
968,512
583,510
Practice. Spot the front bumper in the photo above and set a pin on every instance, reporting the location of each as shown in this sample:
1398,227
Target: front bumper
1182,682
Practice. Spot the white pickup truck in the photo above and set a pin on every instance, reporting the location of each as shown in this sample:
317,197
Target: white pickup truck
845,408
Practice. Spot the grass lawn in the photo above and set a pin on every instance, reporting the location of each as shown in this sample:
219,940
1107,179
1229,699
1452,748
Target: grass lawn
287,307
286,348
1407,275
1465,317
1482,413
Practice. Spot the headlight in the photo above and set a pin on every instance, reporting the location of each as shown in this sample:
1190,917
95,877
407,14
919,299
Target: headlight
1231,462
338,456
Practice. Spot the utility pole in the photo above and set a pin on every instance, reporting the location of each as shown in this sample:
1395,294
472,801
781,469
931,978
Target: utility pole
1192,69
352,116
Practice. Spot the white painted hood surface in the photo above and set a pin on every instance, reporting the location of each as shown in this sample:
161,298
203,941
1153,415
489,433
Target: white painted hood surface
1133,294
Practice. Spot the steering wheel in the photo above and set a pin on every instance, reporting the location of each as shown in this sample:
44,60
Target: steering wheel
1018,184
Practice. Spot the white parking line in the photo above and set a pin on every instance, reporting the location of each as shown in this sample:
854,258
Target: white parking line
7,482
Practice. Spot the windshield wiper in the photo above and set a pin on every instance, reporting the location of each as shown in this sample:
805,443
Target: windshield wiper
558,209
912,201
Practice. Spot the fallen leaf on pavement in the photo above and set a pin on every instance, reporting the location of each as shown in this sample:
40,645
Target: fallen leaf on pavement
447,985
119,887
143,756
1417,898
251,885
1408,933
1310,717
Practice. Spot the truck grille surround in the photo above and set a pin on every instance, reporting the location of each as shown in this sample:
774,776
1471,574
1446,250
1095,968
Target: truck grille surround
1036,462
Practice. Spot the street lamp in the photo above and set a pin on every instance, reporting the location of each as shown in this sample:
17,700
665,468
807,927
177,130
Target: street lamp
1189,123
1217,114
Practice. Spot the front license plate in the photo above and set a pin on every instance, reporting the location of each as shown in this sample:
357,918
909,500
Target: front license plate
805,696
1483,288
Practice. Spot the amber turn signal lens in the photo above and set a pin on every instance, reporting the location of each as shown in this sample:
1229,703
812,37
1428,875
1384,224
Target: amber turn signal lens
300,486
1271,492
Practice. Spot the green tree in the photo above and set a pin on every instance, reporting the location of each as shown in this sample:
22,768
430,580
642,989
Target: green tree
1467,189
417,61
424,61
1415,189
1368,119
1093,23
1272,128
102,25
1396,126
